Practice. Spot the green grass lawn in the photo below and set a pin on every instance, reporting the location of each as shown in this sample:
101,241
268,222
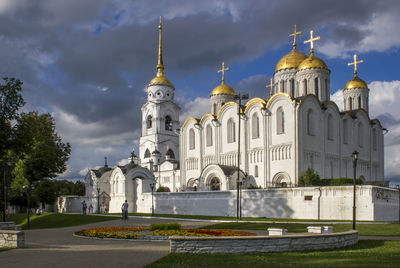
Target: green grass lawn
363,229
364,254
55,220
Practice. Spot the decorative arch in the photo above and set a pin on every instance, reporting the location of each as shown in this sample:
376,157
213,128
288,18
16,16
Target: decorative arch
281,179
170,153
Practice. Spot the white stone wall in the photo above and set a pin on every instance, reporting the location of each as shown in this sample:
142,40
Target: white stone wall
328,203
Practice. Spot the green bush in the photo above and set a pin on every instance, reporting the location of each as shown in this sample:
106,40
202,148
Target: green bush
311,178
251,186
163,189
165,226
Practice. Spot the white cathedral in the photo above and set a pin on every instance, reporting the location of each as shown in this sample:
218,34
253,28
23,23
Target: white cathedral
270,140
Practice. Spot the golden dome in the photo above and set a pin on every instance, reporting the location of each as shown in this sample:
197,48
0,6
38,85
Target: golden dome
312,62
159,80
223,89
355,82
291,60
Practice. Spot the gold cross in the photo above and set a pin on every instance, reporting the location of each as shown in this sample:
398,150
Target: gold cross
355,63
223,69
271,85
294,35
311,40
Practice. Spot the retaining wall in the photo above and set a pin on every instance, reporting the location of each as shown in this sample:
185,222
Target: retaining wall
12,239
234,244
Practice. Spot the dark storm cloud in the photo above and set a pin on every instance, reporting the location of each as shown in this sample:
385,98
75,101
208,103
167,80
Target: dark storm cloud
91,60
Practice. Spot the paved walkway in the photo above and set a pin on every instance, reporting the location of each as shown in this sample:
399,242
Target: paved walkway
58,248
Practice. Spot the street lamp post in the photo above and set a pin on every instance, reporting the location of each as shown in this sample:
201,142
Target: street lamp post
98,200
239,97
152,197
355,158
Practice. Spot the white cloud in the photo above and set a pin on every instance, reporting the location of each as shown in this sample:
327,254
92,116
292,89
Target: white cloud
194,108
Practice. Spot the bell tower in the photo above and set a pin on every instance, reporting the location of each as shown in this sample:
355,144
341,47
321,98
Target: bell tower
160,116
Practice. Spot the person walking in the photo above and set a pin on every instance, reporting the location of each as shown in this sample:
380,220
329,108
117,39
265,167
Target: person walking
124,209
84,206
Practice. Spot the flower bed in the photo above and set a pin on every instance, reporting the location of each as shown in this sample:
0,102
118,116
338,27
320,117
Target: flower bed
146,233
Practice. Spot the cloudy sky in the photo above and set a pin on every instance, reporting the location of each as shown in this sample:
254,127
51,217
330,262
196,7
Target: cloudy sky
88,62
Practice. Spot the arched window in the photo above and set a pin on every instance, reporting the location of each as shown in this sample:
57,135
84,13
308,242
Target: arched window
316,86
280,121
255,126
168,123
360,135
350,103
192,142
359,102
147,153
209,136
374,139
171,153
231,131
344,104
330,127
310,123
345,131
305,87
256,171
292,92
149,121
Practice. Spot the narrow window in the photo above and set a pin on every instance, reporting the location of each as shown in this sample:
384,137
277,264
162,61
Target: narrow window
305,87
282,86
316,87
168,123
209,137
149,121
327,91
255,122
171,154
192,144
359,102
351,103
280,121
256,171
231,131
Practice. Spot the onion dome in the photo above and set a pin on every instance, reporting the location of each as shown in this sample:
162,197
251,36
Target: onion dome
355,82
223,89
160,79
291,60
312,62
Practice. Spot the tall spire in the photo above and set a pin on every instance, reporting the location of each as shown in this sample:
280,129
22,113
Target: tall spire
160,64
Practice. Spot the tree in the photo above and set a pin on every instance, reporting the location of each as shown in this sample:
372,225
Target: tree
10,102
309,178
42,151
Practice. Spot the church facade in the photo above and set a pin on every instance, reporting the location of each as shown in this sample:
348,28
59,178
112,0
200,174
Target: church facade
274,138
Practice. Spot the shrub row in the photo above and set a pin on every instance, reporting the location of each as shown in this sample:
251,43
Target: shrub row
165,226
